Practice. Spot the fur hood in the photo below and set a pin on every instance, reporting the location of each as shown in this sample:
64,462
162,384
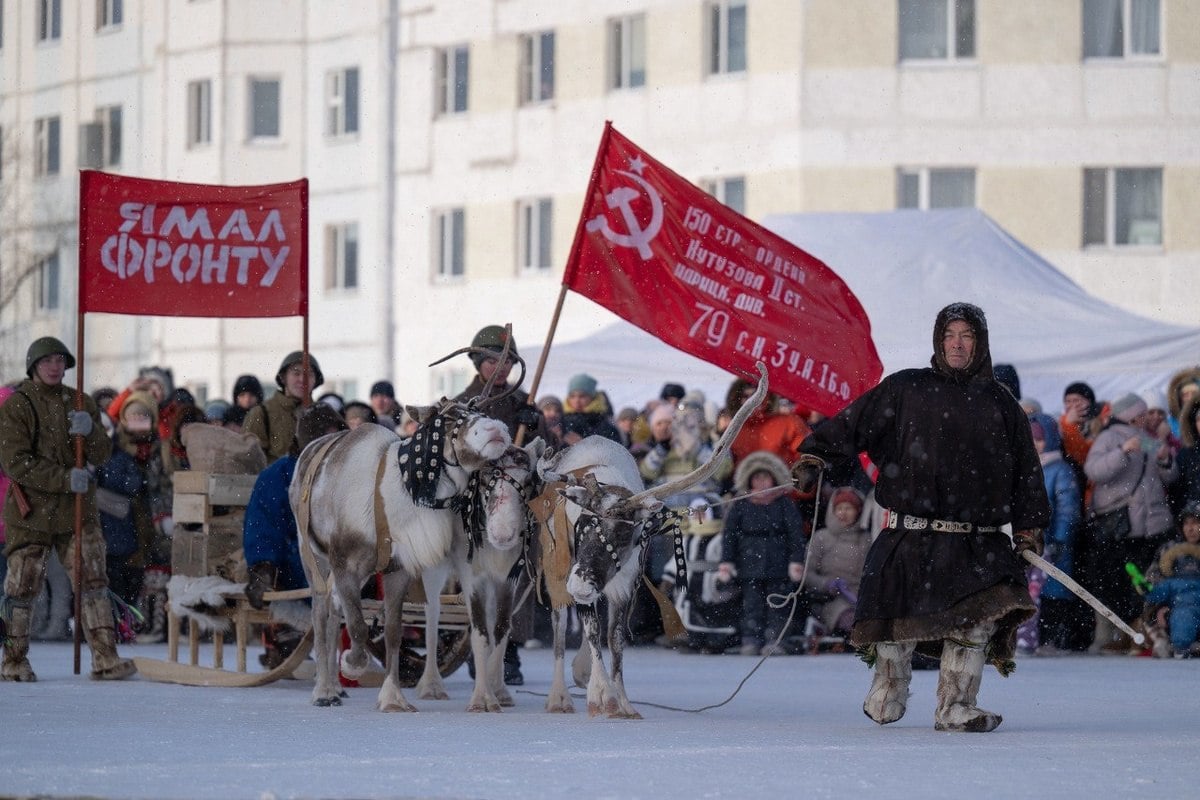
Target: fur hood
756,461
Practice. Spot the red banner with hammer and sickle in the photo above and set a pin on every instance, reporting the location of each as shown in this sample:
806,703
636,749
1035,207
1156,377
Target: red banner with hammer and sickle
668,257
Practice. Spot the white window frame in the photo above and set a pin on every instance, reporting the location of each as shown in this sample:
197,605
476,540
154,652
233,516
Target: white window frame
342,260
111,120
48,286
253,82
1110,199
199,113
109,14
719,37
537,67
343,95
450,244
926,177
1127,33
448,82
720,189
950,10
535,234
625,34
49,21
47,137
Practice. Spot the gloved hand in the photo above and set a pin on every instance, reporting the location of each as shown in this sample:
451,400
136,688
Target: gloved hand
80,479
81,424
725,572
795,571
1030,539
529,416
262,579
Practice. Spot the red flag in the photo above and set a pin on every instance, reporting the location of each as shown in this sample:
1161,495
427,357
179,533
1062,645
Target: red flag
674,261
192,250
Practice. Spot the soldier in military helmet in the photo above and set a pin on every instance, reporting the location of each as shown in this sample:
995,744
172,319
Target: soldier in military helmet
38,426
274,422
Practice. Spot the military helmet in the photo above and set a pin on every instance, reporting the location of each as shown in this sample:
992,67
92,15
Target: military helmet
297,357
46,346
492,337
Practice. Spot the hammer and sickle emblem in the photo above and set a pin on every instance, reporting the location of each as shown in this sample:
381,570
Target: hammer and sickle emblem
620,199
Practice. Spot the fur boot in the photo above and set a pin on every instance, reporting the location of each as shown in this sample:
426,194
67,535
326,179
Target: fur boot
16,665
102,638
888,697
152,603
958,684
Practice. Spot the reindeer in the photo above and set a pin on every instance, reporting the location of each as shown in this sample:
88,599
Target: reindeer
403,523
611,517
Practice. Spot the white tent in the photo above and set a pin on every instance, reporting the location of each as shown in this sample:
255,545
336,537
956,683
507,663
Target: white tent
904,266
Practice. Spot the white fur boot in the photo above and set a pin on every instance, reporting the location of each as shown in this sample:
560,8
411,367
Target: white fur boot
888,697
958,684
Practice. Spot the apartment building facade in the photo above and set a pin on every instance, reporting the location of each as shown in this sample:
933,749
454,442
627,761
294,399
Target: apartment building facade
448,144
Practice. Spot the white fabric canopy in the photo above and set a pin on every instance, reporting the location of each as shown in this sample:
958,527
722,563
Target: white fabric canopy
904,266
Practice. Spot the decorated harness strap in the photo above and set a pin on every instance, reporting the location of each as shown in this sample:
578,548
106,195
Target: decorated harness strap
320,584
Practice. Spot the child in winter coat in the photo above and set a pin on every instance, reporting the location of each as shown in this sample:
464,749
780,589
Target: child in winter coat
1177,584
763,546
835,562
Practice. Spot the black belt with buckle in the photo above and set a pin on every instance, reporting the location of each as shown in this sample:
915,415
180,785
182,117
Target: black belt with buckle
909,522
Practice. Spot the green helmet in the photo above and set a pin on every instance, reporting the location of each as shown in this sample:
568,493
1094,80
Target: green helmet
297,357
46,346
492,338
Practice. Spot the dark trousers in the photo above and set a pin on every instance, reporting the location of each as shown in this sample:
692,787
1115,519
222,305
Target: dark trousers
761,623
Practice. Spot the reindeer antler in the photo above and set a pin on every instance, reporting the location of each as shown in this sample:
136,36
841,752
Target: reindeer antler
709,467
484,400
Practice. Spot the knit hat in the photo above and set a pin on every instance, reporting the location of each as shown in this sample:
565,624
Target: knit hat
1128,406
384,388
1083,390
583,383
662,411
671,391
215,410
846,494
627,413
247,383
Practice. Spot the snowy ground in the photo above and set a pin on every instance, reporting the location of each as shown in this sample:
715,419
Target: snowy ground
1073,727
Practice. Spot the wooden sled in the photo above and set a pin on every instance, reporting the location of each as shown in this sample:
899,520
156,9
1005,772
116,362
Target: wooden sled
196,675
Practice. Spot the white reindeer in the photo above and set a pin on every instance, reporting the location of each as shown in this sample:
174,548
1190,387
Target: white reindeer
375,498
609,513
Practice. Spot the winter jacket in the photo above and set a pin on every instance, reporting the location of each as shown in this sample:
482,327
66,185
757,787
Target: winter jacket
594,420
1115,476
780,434
38,455
761,540
1187,487
120,475
836,552
1063,490
1180,560
5,393
274,423
269,531
505,410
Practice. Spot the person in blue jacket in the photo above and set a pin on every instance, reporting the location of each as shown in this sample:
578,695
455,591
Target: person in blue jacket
269,537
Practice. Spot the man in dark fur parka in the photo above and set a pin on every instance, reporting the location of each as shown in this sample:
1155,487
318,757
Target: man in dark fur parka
956,462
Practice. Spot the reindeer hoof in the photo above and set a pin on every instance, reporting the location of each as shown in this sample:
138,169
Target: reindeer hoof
624,715
490,707
327,702
352,670
432,694
394,706
560,708
593,709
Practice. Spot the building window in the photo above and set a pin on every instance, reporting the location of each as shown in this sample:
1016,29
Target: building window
109,13
109,120
1122,28
1122,206
199,112
342,101
627,52
730,191
537,67
452,72
46,143
535,220
264,108
450,230
46,286
49,20
937,29
925,188
727,36
341,256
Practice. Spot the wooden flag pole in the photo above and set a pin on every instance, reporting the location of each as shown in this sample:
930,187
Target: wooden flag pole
78,633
